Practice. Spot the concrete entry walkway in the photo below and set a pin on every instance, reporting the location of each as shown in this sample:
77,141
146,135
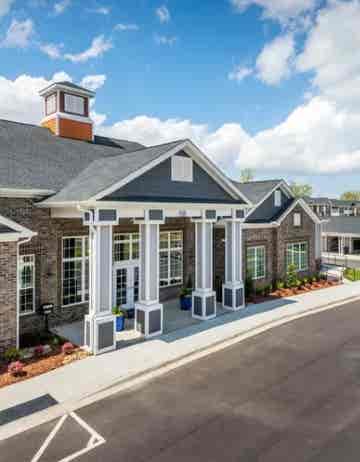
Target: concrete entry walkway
174,319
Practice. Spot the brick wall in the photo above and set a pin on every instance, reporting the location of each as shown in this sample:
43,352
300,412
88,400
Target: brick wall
8,287
47,248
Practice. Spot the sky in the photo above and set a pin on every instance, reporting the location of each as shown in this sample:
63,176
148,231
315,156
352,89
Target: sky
271,85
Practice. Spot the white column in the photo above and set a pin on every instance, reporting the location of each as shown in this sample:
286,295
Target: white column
204,297
148,311
233,289
99,333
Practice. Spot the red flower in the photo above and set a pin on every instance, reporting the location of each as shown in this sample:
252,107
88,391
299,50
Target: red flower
16,368
67,348
39,350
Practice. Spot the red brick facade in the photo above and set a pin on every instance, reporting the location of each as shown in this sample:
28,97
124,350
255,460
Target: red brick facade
8,295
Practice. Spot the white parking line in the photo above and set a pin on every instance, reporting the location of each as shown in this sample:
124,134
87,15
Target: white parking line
95,439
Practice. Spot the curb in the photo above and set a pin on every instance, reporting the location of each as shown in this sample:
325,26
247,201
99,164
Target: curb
148,375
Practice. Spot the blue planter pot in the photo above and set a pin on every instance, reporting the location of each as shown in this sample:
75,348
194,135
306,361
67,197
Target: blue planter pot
185,303
120,323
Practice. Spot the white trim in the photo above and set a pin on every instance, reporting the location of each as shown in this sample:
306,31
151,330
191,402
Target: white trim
194,153
24,193
299,243
334,234
306,209
19,232
69,116
57,86
257,278
169,250
19,266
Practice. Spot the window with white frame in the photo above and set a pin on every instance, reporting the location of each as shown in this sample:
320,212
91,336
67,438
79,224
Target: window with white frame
171,258
277,198
297,219
255,262
181,168
26,284
297,255
75,270
51,104
126,247
74,104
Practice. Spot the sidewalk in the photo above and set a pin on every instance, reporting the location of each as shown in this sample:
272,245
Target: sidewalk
77,381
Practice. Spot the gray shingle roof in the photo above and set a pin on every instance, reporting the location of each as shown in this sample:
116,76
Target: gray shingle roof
343,224
31,157
255,191
102,173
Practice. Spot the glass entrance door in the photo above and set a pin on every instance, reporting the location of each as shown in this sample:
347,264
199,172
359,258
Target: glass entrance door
126,286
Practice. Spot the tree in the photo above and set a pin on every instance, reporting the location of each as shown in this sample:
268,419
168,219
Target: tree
301,190
247,175
350,196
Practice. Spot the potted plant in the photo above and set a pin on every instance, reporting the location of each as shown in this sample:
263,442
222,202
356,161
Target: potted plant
120,318
186,296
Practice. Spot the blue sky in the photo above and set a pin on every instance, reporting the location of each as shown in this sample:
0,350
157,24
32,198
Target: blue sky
255,83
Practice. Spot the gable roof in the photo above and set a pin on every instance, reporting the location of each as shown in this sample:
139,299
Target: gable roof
102,173
31,157
255,191
12,231
102,177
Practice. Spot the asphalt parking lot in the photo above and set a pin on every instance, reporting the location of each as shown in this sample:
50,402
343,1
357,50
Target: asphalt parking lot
290,394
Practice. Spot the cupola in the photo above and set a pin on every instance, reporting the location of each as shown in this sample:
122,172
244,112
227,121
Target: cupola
66,110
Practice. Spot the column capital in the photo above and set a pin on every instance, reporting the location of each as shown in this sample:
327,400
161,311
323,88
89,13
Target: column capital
237,215
152,216
206,216
100,217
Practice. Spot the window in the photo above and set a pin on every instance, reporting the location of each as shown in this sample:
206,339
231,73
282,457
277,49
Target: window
255,262
171,258
297,255
126,247
277,198
75,270
297,219
181,169
26,284
51,104
74,104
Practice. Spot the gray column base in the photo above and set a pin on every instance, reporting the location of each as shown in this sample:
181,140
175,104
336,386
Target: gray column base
233,295
99,333
203,304
149,319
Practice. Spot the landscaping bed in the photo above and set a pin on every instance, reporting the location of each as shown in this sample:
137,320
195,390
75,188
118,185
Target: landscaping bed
292,286
19,365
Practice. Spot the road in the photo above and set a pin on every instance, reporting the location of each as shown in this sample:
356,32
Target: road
291,394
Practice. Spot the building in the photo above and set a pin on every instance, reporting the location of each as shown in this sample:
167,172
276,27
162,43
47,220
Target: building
88,222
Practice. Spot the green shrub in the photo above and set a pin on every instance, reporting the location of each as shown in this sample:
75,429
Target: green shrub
268,289
352,274
291,276
260,290
305,281
280,285
12,354
249,286
298,283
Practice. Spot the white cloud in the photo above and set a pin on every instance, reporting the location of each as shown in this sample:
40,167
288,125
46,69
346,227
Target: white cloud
93,82
61,76
19,34
239,73
53,50
275,60
163,14
5,6
61,6
126,27
332,53
105,10
164,40
20,100
98,47
281,10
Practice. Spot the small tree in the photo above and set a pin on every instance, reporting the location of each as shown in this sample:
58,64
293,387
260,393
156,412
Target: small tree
247,175
350,196
301,190
291,276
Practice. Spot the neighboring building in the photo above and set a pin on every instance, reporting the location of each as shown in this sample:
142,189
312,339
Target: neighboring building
89,222
326,207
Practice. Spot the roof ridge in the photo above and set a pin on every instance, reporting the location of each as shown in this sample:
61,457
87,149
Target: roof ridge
154,146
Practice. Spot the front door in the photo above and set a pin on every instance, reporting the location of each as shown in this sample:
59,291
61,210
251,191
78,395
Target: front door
125,285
